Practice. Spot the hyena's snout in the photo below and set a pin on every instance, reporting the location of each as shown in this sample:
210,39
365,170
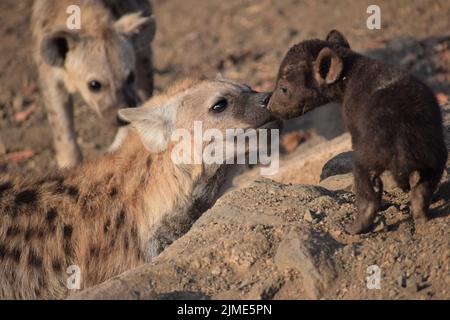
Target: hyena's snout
260,99
265,99
130,97
257,112
126,98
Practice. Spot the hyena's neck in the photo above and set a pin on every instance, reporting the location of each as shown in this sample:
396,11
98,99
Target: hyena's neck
135,191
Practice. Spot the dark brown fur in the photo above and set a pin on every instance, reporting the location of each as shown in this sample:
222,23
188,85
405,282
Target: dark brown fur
394,119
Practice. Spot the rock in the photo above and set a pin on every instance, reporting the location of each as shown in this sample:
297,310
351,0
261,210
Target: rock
304,165
341,166
308,216
338,165
236,252
310,253
338,182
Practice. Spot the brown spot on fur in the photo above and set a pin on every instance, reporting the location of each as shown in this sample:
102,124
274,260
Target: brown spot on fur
69,190
42,283
113,192
32,232
59,189
13,231
126,241
28,234
4,187
2,251
69,250
94,252
120,219
72,191
51,216
67,232
40,233
34,260
16,254
56,265
26,197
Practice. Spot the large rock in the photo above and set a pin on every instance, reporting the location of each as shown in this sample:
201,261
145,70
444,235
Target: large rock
340,164
253,243
336,174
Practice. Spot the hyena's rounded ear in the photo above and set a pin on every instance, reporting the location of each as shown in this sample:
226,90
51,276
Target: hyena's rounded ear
54,47
335,36
327,67
132,23
153,125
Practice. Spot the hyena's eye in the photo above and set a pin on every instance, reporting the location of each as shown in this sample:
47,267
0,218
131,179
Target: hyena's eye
284,90
220,106
95,86
131,78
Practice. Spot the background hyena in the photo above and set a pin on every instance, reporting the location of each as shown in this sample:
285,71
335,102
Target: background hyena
108,62
120,211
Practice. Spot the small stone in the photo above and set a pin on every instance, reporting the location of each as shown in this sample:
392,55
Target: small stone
380,226
308,216
391,210
336,232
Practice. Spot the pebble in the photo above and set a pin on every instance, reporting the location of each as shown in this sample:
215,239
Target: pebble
308,216
380,226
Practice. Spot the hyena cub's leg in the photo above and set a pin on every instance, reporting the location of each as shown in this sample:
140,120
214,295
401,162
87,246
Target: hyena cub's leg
59,106
369,190
422,189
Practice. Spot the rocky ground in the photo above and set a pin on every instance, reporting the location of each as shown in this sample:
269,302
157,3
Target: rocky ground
278,239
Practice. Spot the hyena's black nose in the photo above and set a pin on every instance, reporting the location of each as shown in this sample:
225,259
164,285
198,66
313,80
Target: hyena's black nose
266,99
131,98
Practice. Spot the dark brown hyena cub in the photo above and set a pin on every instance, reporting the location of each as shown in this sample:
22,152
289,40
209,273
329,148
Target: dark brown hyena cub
393,118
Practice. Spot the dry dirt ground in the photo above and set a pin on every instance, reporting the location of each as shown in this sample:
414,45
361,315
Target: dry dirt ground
241,39
246,40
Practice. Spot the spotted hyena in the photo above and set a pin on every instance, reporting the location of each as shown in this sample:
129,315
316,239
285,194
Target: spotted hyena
107,62
120,211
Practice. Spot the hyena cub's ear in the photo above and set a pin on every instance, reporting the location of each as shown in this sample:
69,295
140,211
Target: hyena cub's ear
153,125
335,36
132,23
327,67
54,47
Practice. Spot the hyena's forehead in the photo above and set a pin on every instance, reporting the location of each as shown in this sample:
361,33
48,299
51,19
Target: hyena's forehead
228,86
112,58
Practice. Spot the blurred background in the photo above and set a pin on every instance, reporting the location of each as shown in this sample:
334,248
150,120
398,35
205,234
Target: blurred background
241,39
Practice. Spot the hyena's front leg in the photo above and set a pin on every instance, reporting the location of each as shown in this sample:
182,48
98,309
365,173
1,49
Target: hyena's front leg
59,106
422,189
369,191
